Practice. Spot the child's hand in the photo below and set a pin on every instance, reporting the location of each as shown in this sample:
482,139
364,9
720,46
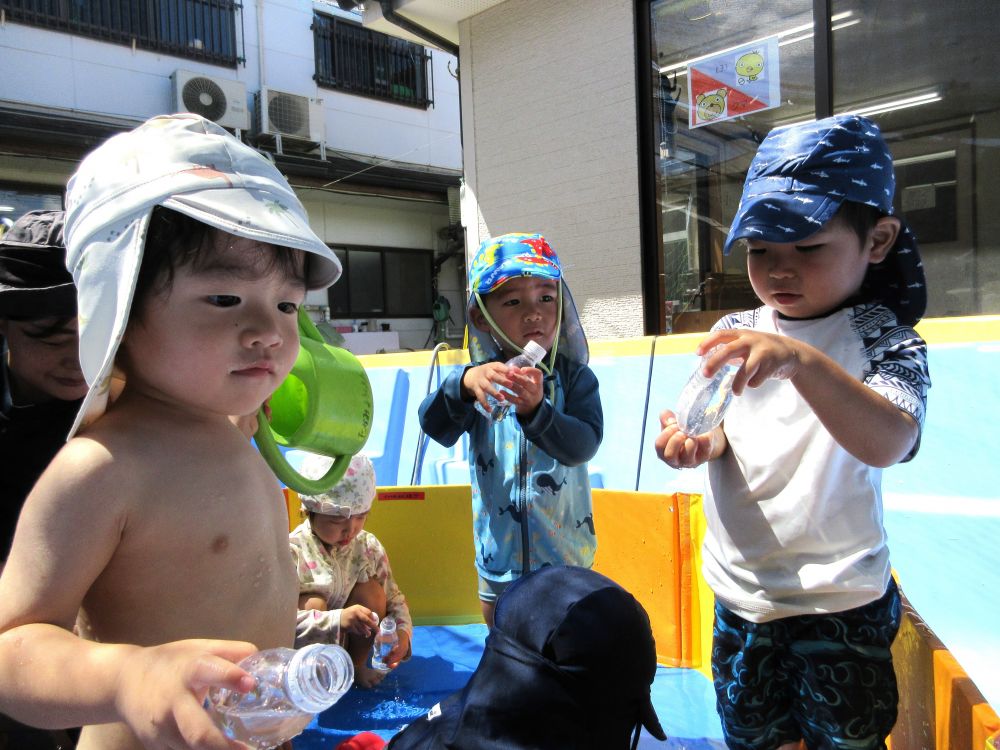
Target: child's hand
358,620
248,423
482,380
526,384
401,650
680,451
161,690
311,601
765,356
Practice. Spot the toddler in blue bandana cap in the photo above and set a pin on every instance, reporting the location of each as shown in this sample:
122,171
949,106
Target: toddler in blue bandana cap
530,483
831,389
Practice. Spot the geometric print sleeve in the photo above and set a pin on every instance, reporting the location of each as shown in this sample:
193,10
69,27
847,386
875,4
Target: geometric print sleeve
897,366
737,320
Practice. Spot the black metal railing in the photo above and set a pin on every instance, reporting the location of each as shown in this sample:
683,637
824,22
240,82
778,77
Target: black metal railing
365,62
196,29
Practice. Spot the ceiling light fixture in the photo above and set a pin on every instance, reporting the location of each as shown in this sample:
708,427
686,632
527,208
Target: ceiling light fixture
681,67
894,104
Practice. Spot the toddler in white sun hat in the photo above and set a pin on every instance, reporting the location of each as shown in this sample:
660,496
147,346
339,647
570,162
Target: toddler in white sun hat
345,581
158,522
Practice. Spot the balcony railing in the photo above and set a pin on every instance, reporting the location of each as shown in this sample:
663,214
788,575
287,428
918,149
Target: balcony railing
361,61
196,29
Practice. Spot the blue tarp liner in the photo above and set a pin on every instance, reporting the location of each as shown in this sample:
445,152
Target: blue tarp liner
443,660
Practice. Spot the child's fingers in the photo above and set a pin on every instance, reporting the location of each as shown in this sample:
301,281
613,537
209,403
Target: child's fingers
234,651
397,654
671,445
218,667
213,671
713,339
197,731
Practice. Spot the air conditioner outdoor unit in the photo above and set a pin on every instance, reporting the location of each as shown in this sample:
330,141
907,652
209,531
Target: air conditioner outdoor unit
218,99
291,115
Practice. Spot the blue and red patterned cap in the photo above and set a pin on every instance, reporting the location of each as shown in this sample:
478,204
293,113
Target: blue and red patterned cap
800,177
512,256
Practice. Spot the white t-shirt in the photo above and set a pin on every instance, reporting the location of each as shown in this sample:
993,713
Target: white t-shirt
795,521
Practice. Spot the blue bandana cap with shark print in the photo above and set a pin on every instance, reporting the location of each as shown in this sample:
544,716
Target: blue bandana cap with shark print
800,177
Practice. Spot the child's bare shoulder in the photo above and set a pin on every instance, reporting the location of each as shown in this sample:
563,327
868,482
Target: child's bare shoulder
84,467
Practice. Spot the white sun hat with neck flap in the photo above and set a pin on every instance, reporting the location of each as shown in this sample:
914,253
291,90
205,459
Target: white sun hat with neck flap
351,496
190,165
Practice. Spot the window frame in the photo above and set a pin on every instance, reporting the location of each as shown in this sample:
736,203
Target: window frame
367,75
343,284
155,25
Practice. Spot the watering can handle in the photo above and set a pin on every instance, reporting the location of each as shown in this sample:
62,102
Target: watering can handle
264,438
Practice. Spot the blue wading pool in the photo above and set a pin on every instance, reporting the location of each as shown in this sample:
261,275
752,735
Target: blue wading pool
445,657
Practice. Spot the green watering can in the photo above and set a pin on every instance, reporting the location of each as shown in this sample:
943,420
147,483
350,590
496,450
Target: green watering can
324,406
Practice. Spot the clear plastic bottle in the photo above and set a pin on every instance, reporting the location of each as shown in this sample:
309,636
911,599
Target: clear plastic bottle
533,353
703,401
385,640
292,686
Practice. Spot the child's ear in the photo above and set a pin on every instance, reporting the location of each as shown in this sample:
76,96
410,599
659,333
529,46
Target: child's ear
883,237
479,320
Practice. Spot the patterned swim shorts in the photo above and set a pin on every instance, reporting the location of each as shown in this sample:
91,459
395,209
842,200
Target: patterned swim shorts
827,679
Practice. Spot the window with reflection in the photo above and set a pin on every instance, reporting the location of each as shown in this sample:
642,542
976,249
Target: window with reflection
928,78
726,72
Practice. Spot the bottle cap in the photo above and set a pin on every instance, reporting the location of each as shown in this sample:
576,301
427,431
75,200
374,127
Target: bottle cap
388,624
534,352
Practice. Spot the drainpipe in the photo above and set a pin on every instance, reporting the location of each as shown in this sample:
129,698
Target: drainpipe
390,15
260,42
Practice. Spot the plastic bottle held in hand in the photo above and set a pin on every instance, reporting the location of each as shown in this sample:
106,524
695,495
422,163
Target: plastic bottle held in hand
292,686
385,641
533,353
703,402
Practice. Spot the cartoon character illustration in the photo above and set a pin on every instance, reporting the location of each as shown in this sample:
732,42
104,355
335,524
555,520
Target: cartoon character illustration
749,66
589,520
712,105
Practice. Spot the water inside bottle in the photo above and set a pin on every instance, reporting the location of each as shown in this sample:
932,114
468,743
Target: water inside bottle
261,730
703,402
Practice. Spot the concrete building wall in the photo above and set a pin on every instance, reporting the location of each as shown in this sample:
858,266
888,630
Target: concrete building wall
63,71
545,152
77,76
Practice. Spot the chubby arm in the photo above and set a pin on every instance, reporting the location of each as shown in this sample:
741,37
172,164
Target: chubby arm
314,621
866,424
573,435
68,532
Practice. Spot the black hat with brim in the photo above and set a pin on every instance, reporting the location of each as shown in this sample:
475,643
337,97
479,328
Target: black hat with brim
569,663
34,282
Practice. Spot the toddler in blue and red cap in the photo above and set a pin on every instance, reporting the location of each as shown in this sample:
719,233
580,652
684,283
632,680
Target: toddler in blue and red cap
531,503
831,389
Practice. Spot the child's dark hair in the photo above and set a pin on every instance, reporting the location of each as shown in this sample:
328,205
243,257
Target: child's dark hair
57,325
860,218
175,240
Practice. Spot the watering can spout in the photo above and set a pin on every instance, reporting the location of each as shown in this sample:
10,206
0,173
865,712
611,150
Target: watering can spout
324,406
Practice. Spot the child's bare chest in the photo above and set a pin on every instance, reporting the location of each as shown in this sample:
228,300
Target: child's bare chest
203,553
